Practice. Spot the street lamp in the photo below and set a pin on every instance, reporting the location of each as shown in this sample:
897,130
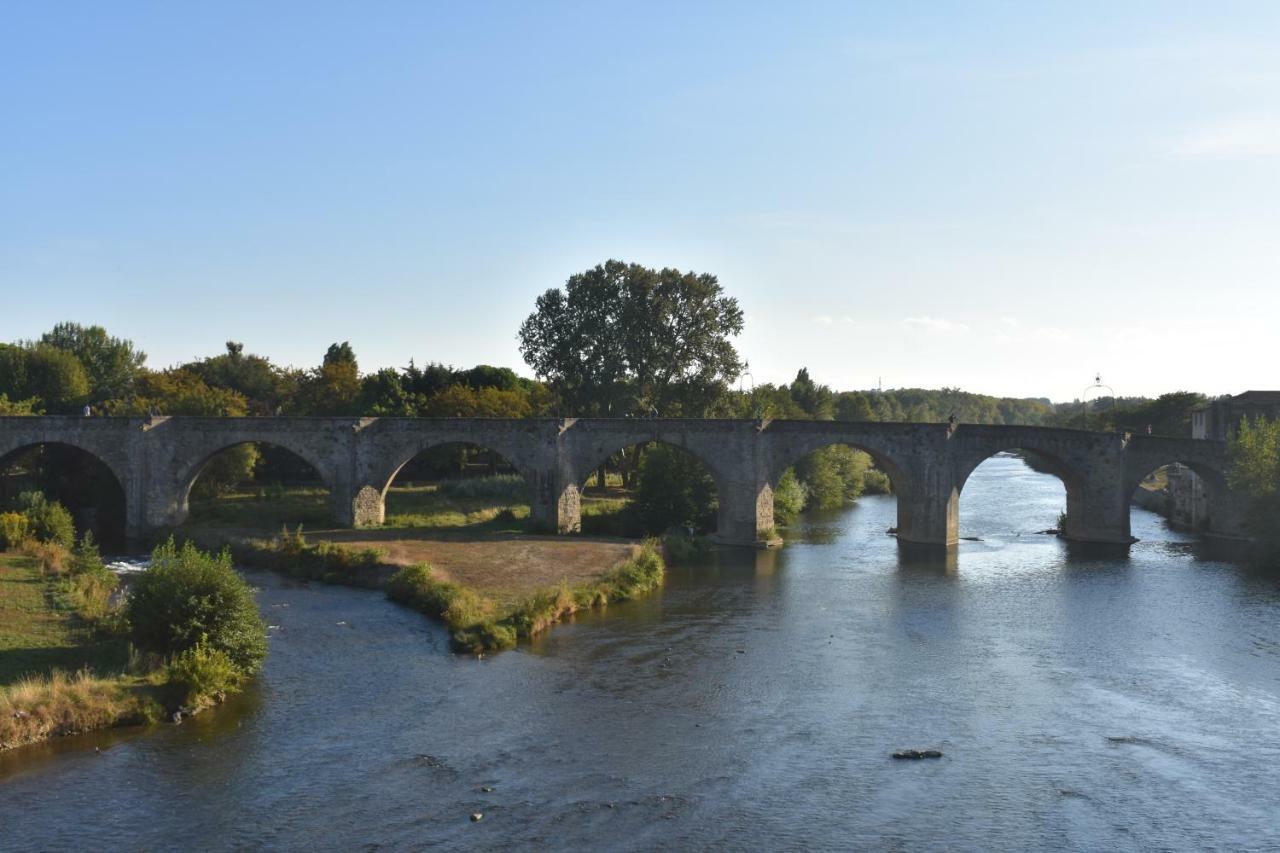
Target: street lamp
1097,386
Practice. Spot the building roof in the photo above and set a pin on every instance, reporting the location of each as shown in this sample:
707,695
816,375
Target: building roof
1258,398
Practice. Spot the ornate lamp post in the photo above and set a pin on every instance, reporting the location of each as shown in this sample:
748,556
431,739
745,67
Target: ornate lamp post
1097,387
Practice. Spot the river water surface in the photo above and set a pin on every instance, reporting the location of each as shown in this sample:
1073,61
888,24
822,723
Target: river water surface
1083,700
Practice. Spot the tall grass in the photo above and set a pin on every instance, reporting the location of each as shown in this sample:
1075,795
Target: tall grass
39,708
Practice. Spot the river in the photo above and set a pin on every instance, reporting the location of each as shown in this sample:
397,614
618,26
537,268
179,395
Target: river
1083,701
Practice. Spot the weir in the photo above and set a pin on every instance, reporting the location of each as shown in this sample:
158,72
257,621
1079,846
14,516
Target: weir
157,460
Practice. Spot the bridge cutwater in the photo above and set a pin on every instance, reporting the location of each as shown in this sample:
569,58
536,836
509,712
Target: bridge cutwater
157,461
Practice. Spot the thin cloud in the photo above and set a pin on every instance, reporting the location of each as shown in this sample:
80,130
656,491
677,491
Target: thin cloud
1232,140
935,324
823,320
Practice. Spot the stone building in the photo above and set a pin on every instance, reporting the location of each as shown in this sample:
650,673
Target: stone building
1218,420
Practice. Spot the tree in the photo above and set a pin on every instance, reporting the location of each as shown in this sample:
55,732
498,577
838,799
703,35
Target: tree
55,377
111,364
816,400
674,491
264,386
334,387
625,339
1254,469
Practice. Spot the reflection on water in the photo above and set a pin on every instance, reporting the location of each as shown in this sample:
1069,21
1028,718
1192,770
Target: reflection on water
1083,700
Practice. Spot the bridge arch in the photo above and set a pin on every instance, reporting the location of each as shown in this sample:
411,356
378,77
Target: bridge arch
1073,482
189,475
96,493
378,492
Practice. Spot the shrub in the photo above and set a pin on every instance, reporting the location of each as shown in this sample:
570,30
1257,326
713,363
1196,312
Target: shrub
188,597
87,590
13,530
416,587
51,556
202,675
48,520
789,497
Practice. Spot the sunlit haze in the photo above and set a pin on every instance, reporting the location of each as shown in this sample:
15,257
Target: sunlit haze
995,196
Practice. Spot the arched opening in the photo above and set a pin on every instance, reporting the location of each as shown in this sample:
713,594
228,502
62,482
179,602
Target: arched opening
812,493
459,484
257,485
649,488
73,477
1180,495
1016,492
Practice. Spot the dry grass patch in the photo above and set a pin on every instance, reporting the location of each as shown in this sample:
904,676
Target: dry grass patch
44,707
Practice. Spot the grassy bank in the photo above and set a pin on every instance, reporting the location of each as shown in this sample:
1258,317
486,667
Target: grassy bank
480,624
491,613
187,636
59,673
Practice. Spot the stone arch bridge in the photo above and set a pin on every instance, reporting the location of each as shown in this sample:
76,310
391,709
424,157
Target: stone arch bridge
157,462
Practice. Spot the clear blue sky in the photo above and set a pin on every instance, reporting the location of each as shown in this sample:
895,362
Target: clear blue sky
1004,197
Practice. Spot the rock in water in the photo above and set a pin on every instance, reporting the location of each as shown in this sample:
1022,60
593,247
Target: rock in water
914,754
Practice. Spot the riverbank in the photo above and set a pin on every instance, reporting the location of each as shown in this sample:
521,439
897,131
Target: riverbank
58,675
490,588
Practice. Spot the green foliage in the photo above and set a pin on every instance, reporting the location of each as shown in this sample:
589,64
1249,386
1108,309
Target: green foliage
188,597
88,586
674,491
833,476
47,521
621,338
789,497
1254,458
254,378
226,470
110,364
202,675
178,392
13,529
11,408
53,377
1254,469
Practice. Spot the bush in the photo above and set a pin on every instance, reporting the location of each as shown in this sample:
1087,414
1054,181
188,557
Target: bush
188,597
202,675
13,530
674,491
48,520
789,497
51,556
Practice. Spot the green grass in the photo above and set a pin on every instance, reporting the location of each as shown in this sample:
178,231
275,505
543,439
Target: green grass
442,506
42,639
40,631
265,509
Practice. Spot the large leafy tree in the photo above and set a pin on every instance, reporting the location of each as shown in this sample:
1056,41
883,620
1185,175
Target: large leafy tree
111,364
265,386
626,339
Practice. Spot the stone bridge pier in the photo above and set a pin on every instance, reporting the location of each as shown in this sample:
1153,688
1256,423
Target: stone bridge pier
157,461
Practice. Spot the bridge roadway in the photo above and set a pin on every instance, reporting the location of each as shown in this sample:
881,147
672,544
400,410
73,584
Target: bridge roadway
157,462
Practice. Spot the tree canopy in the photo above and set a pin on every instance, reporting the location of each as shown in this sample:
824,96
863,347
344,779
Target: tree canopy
625,339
